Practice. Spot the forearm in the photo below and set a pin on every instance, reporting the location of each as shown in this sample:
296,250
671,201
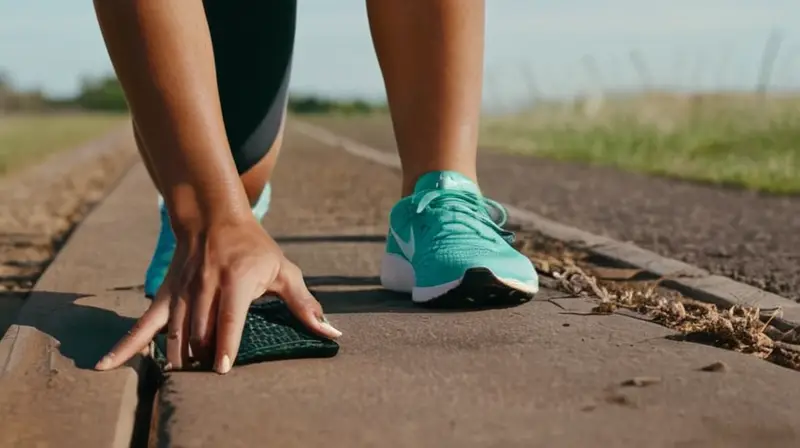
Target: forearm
162,54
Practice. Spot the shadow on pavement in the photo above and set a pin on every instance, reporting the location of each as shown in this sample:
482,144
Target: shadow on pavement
358,294
85,332
330,239
10,304
372,300
341,280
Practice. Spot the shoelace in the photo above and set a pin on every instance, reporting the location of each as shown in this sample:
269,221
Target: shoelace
500,216
470,204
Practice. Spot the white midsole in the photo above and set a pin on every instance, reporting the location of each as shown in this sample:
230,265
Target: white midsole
397,275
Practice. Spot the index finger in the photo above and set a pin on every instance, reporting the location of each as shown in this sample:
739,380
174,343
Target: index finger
145,329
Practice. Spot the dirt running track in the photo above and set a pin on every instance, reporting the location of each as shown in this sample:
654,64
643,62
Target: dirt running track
535,375
752,238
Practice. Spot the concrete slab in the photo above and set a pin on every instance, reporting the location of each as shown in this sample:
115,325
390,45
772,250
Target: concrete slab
49,396
536,375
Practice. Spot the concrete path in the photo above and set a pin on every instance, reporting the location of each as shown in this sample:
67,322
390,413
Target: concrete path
535,375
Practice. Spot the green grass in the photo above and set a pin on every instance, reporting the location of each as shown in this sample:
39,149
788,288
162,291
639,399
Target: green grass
28,139
735,140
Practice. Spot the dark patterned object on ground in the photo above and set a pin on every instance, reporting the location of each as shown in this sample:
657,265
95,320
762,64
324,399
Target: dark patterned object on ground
271,333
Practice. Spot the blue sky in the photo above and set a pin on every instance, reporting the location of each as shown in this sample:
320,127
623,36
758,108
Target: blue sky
531,45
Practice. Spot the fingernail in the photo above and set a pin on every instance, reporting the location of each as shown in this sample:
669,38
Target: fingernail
328,328
105,362
224,365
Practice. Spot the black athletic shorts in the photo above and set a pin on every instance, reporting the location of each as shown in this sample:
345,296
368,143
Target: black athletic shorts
253,43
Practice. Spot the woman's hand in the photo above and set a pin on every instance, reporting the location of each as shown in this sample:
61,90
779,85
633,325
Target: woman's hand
203,302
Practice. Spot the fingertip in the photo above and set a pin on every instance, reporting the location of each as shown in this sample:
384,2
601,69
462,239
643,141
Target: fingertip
328,328
320,324
223,365
330,331
105,363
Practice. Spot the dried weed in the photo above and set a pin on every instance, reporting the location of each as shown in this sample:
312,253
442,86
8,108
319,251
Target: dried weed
739,328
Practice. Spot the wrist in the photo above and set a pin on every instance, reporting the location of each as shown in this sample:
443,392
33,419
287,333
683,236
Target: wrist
193,212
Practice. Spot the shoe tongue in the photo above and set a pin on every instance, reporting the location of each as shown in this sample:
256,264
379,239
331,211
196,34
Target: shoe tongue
446,180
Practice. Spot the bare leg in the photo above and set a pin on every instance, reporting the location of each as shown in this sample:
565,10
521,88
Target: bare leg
257,177
431,57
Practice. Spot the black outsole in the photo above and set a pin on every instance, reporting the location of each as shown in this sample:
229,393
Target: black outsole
479,289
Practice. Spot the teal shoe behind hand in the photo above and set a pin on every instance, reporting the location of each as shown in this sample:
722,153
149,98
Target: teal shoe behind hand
446,247
165,247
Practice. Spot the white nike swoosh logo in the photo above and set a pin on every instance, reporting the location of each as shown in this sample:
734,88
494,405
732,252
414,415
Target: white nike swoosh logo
407,247
448,183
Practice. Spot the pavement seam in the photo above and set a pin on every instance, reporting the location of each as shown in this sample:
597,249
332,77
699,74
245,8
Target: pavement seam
687,279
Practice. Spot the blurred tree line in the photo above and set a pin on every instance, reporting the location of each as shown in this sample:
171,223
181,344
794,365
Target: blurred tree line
104,94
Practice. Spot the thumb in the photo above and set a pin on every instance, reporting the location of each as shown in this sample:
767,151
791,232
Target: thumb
291,288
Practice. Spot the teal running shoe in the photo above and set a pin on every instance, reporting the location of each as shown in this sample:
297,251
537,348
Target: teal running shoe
446,246
165,246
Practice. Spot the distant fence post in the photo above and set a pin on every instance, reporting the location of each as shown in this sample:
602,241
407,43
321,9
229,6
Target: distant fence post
596,97
771,50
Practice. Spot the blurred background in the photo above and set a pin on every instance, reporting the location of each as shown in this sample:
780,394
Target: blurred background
700,89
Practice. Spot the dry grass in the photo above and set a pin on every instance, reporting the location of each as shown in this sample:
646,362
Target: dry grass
743,140
742,329
27,139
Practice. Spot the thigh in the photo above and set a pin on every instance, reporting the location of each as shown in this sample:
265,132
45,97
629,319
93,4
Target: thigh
253,45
